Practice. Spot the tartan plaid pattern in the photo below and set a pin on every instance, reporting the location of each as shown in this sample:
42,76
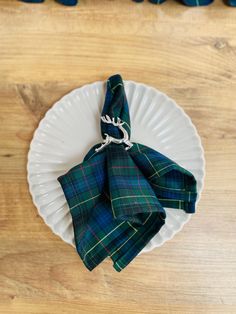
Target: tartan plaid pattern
117,197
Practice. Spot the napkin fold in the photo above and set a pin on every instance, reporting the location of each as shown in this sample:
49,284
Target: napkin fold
117,194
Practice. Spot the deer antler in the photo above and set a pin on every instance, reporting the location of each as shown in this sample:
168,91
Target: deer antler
108,120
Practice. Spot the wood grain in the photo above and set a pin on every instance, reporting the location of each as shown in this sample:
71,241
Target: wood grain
190,54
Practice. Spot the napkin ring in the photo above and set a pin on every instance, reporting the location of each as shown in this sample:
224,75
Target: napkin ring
110,139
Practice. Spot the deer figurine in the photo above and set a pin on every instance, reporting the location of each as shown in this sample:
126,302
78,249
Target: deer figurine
110,139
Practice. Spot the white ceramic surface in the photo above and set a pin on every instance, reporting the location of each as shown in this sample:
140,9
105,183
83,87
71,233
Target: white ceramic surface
72,126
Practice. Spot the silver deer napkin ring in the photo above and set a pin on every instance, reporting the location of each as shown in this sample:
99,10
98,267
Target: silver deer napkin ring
110,139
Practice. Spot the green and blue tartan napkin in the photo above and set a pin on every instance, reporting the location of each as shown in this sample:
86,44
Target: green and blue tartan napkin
117,196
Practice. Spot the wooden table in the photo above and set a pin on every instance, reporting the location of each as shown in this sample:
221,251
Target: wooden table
190,54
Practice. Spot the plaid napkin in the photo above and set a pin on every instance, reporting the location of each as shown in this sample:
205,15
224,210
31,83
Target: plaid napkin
117,196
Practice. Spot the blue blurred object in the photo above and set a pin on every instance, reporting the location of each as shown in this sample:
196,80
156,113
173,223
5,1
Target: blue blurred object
196,3
68,2
231,3
157,1
65,2
192,3
33,1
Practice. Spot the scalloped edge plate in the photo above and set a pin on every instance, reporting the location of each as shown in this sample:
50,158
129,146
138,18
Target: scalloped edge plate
72,126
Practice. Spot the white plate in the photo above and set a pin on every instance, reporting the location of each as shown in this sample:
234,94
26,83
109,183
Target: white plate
72,126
